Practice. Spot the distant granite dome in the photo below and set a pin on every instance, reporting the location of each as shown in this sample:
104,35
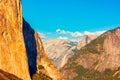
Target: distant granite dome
85,40
60,50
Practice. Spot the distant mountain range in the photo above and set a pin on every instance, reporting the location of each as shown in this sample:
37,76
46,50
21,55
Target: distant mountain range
59,50
98,60
22,55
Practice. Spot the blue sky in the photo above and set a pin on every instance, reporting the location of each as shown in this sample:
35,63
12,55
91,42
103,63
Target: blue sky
72,17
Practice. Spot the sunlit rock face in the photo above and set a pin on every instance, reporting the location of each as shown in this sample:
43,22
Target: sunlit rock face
43,60
60,50
101,54
85,40
111,54
21,49
13,58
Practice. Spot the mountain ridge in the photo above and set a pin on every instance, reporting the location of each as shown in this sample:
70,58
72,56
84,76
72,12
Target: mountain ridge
59,50
99,56
38,61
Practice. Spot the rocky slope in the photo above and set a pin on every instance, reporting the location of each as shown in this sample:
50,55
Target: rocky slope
85,40
100,57
21,50
7,76
59,50
43,60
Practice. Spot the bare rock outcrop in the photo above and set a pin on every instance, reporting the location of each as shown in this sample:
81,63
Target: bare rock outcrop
13,58
59,50
111,55
21,50
85,40
37,57
43,60
100,56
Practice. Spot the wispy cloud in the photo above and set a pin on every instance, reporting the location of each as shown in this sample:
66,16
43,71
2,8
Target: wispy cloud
66,38
73,34
61,37
61,31
78,34
97,33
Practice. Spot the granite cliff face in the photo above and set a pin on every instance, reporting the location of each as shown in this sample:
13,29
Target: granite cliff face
60,50
111,55
21,50
44,62
85,40
13,57
100,57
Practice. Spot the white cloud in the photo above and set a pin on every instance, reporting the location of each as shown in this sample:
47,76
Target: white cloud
76,34
42,35
79,34
99,32
61,37
73,34
61,31
89,33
